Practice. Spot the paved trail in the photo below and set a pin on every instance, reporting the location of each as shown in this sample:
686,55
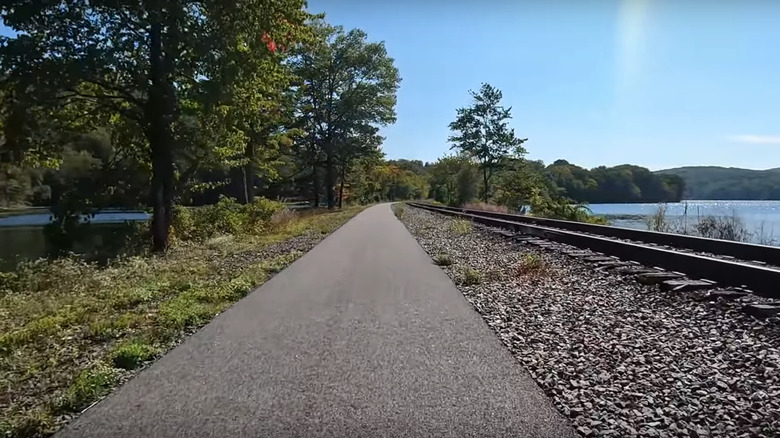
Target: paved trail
361,337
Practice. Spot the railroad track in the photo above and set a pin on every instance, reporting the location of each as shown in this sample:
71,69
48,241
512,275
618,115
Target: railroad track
745,266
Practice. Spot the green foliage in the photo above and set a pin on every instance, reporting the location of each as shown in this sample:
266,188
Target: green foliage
532,265
226,217
710,182
399,209
61,314
469,276
481,132
487,207
131,355
564,209
174,85
521,184
443,260
460,226
453,180
348,91
466,185
625,183
88,387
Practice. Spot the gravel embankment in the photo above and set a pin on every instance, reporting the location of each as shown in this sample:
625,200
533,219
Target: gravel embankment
618,358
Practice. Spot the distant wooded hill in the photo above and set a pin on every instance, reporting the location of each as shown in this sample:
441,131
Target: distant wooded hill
624,183
727,183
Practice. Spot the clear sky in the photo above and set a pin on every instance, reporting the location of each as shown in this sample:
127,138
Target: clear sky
658,83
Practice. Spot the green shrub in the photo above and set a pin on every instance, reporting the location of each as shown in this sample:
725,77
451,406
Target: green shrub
226,217
460,226
131,355
565,209
262,210
469,276
182,223
443,260
531,265
399,209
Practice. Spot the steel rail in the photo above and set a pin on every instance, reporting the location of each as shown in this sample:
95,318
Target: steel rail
761,280
743,251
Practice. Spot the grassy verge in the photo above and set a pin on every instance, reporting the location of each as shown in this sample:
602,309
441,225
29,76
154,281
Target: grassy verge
71,331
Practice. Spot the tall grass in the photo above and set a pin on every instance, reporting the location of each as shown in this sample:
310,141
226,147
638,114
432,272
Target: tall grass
731,227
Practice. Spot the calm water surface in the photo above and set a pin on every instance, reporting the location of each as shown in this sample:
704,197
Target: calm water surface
22,236
753,214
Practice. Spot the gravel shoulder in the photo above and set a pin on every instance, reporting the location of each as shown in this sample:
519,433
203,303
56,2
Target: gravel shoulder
616,357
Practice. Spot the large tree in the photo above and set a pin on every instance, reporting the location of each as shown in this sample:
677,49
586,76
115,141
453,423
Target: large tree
482,131
348,90
140,63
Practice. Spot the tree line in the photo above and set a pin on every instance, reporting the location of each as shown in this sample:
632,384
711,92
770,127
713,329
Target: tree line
710,182
166,103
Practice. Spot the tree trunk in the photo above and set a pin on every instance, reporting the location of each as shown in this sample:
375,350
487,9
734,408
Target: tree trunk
315,185
330,180
485,179
341,187
249,173
157,114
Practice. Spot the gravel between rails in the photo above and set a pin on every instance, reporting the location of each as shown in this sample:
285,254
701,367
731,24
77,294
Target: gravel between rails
618,358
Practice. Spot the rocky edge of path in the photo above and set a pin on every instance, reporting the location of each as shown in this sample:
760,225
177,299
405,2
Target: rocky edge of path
618,358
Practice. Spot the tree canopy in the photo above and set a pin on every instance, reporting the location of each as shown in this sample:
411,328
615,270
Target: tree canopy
481,131
152,104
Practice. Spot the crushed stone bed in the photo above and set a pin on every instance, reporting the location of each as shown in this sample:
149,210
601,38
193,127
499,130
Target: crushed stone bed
618,358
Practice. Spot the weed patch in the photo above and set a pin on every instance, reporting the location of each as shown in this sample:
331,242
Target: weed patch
88,387
532,265
399,208
460,227
131,355
469,276
443,260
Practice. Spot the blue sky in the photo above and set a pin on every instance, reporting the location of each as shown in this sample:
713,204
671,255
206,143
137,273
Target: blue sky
658,83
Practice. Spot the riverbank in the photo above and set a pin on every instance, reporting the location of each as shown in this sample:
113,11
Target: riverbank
73,331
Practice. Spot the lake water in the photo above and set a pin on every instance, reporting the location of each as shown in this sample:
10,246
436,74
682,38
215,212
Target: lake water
22,234
755,215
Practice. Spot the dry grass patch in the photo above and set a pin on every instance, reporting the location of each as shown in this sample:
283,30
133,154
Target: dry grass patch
484,206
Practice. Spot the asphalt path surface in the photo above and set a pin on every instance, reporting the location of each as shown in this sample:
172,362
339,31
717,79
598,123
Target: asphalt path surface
361,337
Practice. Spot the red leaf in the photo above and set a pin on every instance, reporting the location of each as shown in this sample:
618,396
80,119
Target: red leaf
269,42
